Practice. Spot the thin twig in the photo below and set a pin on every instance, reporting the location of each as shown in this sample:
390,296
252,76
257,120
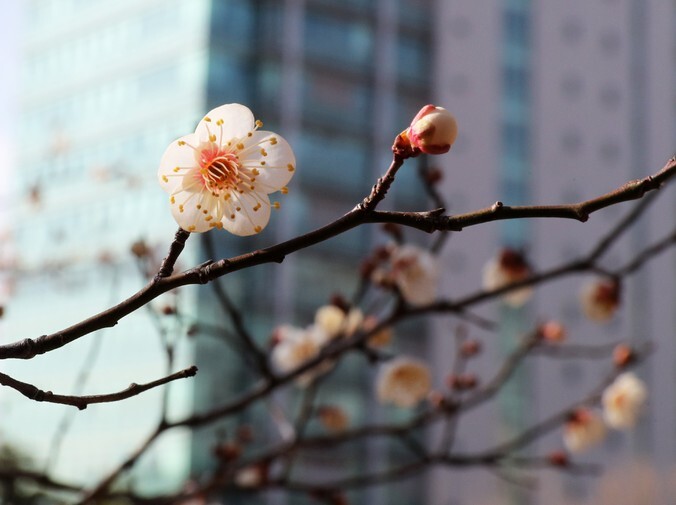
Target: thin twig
81,402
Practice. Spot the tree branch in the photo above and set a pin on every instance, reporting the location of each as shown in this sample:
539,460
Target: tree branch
81,402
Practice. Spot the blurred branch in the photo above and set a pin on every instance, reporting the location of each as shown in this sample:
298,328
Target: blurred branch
81,402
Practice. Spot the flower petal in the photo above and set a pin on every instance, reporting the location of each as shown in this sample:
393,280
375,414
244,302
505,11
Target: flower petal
246,213
196,211
271,156
177,159
237,119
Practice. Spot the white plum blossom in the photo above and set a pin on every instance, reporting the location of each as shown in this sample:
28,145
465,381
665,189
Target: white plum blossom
403,382
583,430
600,299
416,273
433,130
296,346
221,175
508,267
623,401
335,321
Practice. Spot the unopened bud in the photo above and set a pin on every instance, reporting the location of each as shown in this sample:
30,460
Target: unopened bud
558,458
552,332
462,382
470,348
623,355
227,451
436,399
433,130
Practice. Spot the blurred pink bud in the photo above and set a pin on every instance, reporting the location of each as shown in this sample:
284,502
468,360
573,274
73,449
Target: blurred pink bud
553,332
433,130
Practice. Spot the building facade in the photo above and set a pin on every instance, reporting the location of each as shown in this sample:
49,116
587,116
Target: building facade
558,103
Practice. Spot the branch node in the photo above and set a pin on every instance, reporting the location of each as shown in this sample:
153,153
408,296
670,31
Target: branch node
497,206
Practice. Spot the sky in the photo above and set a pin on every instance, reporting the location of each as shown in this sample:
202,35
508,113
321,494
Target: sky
9,58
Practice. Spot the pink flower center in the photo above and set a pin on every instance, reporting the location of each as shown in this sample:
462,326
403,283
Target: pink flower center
219,169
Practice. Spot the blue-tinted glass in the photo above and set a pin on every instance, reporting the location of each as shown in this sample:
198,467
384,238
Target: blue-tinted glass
412,59
331,162
337,40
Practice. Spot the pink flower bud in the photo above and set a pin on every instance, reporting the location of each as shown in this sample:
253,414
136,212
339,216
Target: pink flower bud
433,130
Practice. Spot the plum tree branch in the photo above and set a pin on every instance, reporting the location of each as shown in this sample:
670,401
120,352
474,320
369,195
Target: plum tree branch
361,214
81,402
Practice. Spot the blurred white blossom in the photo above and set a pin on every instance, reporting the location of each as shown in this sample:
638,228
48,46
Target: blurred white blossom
416,273
623,401
583,430
403,382
600,299
335,321
296,346
508,267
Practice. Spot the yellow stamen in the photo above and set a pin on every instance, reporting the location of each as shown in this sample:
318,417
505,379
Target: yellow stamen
291,167
258,229
240,146
191,228
207,119
164,178
259,123
177,169
180,208
284,190
219,122
276,205
172,200
273,141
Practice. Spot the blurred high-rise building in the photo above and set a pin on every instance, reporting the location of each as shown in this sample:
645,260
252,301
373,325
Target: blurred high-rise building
105,87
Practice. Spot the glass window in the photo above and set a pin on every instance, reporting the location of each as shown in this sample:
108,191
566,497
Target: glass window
412,59
338,40
331,162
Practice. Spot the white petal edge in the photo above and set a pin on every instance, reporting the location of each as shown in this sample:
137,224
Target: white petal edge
182,156
238,121
280,162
